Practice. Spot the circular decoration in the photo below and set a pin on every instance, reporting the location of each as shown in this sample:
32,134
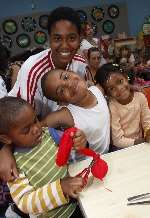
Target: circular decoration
10,26
28,24
108,26
113,11
97,14
23,40
43,21
40,37
82,15
94,27
6,41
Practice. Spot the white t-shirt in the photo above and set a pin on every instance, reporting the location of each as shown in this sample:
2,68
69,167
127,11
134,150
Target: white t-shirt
95,122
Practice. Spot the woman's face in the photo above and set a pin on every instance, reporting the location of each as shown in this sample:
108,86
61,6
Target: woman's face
64,42
94,59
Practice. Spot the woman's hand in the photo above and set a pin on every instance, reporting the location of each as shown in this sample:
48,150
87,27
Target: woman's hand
8,168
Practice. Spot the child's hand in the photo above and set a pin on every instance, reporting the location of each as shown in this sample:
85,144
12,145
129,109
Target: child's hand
79,139
8,169
72,186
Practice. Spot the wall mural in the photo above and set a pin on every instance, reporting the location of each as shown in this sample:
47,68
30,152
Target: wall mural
30,31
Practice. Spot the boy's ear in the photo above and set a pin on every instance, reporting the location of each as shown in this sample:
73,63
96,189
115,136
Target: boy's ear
5,139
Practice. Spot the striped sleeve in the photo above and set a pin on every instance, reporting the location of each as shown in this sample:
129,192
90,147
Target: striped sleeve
36,201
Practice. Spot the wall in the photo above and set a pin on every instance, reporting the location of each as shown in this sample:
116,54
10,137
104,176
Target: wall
137,10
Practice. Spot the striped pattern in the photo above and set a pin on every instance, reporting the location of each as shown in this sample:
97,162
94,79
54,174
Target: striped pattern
31,72
37,190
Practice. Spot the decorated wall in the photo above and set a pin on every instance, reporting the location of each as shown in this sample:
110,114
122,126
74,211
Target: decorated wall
19,33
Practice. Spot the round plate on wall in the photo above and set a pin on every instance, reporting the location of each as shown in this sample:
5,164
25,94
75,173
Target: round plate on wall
82,15
113,11
6,41
40,37
23,40
108,27
97,14
10,26
43,21
28,24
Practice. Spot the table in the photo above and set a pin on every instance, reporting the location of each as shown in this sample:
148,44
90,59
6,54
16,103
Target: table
128,175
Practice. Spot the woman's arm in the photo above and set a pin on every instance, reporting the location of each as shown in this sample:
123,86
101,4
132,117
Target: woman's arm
8,169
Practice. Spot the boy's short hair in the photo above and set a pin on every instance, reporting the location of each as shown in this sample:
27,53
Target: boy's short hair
64,13
9,110
104,72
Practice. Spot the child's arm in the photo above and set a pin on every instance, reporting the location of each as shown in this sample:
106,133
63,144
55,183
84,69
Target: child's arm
50,196
145,116
118,136
58,118
8,169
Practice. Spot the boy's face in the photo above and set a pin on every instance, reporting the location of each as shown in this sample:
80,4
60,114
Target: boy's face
26,132
66,86
64,42
117,87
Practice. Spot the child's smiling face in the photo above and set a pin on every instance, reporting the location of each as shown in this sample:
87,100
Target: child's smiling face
65,86
117,87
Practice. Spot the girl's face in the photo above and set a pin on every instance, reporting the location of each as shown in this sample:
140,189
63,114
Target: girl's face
27,131
94,59
64,42
66,86
117,87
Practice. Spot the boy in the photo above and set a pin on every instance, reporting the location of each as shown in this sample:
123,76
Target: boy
42,188
87,108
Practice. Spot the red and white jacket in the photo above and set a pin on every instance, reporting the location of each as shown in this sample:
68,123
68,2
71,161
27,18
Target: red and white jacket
28,84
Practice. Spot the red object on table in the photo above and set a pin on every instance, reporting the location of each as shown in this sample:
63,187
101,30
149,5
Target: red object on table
98,166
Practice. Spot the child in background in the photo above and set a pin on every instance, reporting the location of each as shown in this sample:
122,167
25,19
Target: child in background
87,108
42,188
130,114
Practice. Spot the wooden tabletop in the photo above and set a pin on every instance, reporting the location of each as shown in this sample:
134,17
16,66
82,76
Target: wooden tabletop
128,175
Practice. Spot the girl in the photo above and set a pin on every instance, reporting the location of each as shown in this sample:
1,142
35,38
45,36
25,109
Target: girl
130,114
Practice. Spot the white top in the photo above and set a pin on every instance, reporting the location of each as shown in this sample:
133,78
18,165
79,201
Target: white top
95,122
85,44
28,84
3,90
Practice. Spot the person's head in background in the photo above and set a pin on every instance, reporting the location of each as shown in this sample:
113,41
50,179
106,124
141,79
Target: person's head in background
64,87
94,56
64,28
115,83
93,59
125,51
19,125
87,30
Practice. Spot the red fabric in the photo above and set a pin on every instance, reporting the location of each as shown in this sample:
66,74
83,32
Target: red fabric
98,167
